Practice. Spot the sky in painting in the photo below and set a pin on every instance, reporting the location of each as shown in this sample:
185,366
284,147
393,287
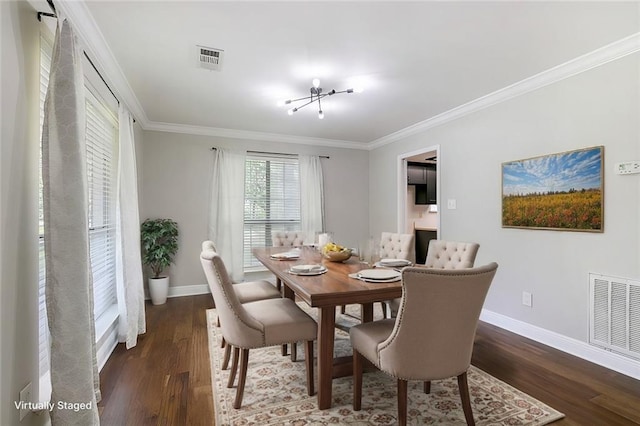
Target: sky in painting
557,172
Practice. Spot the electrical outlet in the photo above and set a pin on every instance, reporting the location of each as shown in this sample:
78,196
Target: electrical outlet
527,299
451,204
25,399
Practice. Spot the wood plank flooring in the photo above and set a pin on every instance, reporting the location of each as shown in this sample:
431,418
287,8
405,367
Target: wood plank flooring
165,379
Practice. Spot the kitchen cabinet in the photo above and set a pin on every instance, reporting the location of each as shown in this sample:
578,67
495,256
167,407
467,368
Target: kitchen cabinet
426,193
416,174
422,238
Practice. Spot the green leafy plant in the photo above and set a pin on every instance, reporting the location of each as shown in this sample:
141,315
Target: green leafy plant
159,244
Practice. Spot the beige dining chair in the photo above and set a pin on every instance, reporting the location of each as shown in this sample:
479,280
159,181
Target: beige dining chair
287,238
432,336
269,322
443,254
397,246
393,246
248,291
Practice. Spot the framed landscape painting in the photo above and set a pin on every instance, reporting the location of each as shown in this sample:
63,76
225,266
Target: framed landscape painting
562,191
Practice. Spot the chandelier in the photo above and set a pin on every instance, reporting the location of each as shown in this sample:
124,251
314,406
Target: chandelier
315,96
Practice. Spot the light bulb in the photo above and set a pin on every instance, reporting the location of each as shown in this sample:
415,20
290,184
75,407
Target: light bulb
316,82
280,103
320,114
290,112
358,89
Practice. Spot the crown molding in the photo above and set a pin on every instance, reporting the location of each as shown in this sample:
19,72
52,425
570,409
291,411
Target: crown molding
250,135
101,55
596,58
104,59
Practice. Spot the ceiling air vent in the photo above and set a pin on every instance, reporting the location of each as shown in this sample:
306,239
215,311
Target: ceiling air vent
210,58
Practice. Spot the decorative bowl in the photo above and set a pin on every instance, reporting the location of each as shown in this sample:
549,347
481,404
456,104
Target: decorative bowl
338,256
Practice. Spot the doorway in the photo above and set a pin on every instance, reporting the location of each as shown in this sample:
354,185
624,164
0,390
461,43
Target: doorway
410,215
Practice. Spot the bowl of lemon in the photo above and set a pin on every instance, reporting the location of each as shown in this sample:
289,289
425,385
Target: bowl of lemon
335,252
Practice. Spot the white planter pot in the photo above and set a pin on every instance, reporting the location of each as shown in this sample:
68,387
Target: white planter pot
159,289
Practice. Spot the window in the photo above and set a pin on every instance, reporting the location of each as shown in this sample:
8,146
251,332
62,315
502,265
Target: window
101,143
271,202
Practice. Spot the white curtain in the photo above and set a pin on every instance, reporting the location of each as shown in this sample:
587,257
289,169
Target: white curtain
69,289
131,321
226,212
311,196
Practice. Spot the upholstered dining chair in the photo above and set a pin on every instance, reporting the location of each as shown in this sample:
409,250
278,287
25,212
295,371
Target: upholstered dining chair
397,246
432,336
443,254
269,322
394,246
249,291
287,238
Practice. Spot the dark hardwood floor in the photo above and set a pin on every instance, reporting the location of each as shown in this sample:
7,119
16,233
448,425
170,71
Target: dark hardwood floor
166,380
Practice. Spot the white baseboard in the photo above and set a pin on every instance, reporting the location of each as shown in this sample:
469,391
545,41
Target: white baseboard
566,344
183,290
188,290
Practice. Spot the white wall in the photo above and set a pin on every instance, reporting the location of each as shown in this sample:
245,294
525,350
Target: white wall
18,207
597,107
176,178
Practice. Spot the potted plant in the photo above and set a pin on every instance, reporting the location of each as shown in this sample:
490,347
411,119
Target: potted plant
159,246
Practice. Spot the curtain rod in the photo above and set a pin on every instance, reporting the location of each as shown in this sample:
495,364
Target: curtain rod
213,148
53,15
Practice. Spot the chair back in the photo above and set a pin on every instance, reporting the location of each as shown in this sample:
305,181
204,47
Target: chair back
238,327
208,246
287,238
397,246
436,324
451,254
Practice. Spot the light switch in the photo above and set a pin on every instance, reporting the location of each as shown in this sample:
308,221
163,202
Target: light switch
451,204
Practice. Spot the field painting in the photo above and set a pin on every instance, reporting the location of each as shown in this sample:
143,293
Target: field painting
558,191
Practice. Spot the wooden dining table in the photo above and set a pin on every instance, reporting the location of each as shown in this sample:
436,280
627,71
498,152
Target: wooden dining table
325,292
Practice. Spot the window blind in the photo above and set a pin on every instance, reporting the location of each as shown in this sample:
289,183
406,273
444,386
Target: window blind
272,202
101,140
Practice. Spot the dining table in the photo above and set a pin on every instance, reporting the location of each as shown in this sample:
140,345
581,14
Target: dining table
338,286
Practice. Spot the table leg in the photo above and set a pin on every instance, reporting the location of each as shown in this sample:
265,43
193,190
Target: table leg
326,325
366,312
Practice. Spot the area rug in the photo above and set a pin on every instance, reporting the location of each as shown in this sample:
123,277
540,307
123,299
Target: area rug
275,394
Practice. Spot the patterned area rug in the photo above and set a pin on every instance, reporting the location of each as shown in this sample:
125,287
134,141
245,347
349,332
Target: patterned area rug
275,394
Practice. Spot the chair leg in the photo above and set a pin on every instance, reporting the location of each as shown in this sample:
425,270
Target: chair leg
466,399
402,402
227,355
223,343
427,387
343,309
285,351
308,361
218,322
244,360
278,284
357,381
234,367
294,351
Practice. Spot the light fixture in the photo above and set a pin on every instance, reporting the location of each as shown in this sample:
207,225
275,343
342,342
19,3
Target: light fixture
315,96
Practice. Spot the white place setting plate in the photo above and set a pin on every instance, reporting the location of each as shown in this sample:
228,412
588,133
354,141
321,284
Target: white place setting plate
289,255
392,263
307,270
379,275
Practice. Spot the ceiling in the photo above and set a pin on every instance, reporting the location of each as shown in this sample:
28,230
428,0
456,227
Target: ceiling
414,60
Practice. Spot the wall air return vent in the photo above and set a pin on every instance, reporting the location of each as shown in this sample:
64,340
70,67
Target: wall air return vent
615,314
210,58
